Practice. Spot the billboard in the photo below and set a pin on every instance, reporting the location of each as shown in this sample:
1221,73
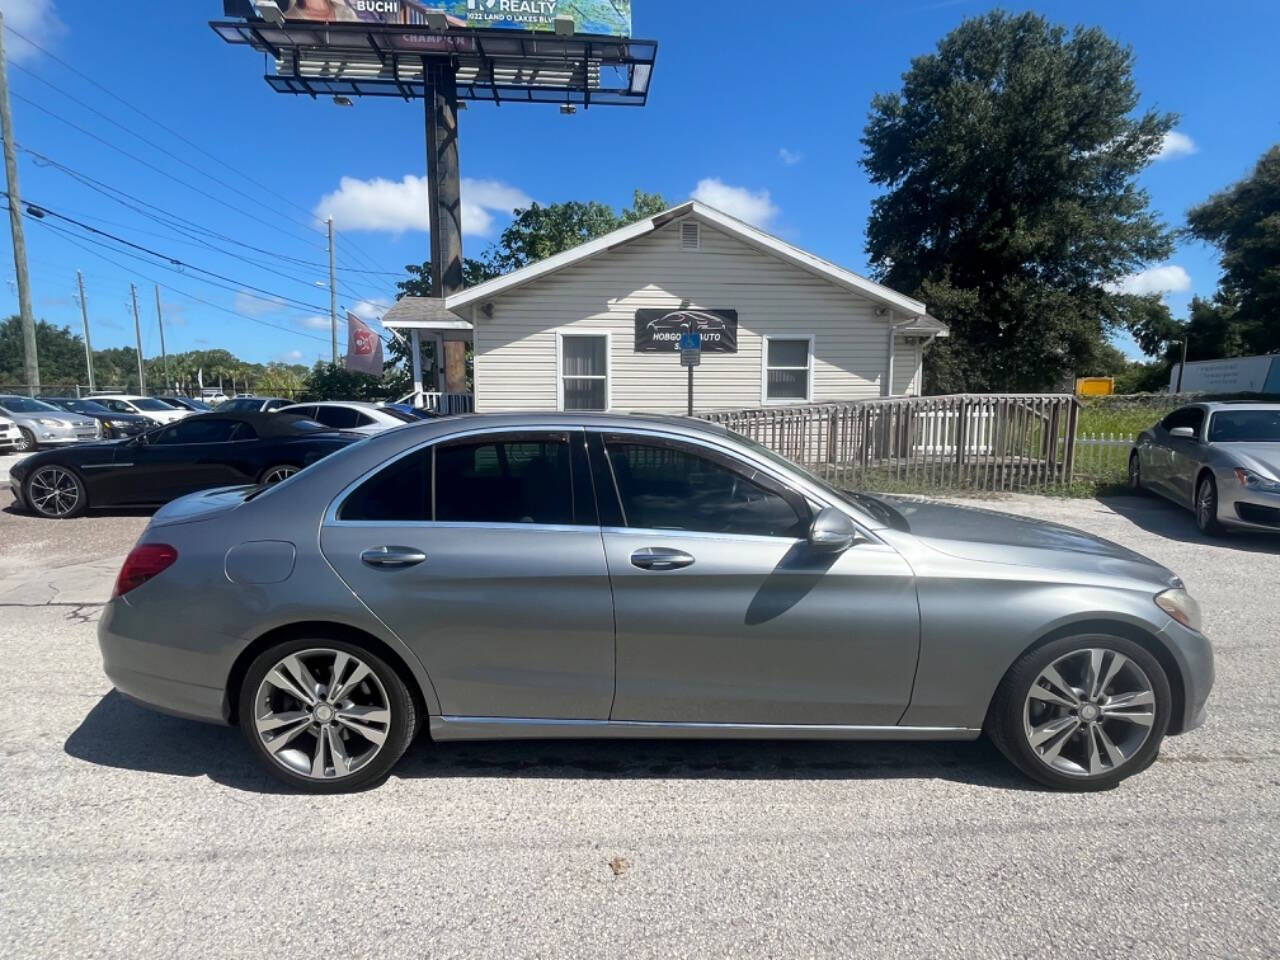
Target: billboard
659,331
609,17
1233,375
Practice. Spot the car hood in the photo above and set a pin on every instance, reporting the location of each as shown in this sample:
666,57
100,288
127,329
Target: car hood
74,419
990,536
1262,457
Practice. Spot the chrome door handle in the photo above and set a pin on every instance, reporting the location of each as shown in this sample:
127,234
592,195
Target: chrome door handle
392,556
660,558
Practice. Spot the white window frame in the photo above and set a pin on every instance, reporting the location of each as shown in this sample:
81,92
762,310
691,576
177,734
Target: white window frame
608,365
764,369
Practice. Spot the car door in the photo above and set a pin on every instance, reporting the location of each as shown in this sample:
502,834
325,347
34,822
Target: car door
1185,455
184,457
725,614
482,553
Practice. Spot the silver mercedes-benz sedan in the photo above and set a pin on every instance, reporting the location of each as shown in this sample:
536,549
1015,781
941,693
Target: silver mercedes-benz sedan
1221,460
591,575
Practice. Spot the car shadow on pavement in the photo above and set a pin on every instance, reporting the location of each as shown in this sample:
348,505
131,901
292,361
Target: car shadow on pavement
1159,516
119,733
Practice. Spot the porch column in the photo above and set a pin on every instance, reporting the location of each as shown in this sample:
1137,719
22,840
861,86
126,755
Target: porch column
415,354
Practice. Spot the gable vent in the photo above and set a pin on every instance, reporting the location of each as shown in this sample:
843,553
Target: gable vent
690,236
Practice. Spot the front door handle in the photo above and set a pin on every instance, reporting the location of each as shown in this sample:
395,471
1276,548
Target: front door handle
392,556
660,558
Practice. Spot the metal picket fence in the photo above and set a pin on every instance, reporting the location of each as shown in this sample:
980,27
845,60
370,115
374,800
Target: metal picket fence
1102,457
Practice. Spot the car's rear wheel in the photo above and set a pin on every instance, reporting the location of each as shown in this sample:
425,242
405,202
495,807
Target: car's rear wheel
1082,713
56,492
26,441
1207,507
326,716
281,471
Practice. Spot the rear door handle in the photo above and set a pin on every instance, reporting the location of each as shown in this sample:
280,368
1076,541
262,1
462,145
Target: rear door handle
660,558
392,556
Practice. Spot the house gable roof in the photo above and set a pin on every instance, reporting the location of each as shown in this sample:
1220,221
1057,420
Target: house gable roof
748,234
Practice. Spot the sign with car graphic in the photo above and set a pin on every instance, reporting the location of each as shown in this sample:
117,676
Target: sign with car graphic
659,331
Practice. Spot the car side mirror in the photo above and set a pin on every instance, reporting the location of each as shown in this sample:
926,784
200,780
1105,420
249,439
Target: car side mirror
832,532
1187,432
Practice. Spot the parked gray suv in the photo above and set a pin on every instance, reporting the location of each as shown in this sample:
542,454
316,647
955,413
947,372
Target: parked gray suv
558,575
44,425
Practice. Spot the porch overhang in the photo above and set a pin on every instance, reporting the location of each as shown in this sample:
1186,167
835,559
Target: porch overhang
426,313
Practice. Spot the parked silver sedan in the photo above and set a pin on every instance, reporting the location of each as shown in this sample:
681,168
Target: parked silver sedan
1220,460
557,575
42,424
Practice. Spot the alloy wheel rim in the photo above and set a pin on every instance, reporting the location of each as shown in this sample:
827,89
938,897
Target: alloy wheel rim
54,492
322,714
24,441
276,474
1204,504
1089,712
1134,472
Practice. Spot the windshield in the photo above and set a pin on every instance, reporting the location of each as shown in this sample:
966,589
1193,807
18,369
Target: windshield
151,403
85,406
198,404
399,414
27,405
1245,426
876,507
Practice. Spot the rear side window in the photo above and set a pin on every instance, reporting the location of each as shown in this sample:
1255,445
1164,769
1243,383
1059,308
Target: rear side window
340,418
398,493
525,480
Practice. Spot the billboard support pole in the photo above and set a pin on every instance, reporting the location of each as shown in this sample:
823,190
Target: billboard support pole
30,361
137,334
88,343
440,95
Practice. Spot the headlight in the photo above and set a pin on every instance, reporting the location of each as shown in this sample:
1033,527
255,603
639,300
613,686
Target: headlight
119,424
48,422
1256,481
1181,606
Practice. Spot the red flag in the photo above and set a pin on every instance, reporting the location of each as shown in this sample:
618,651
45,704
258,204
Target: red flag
364,347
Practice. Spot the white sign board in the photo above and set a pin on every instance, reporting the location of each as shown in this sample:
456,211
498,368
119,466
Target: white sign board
1234,375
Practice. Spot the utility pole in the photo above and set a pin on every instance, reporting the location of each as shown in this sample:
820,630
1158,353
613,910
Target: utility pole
333,295
137,332
30,361
1183,366
88,344
163,354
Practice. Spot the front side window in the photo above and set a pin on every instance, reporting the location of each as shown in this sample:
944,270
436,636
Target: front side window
197,431
584,371
499,480
1191,417
787,363
669,487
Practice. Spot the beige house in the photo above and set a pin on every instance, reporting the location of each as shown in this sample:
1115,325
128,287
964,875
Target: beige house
597,327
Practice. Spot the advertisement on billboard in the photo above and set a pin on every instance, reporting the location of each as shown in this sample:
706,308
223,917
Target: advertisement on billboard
1233,375
658,331
608,17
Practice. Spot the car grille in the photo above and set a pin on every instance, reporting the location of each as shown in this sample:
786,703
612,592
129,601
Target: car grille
1253,513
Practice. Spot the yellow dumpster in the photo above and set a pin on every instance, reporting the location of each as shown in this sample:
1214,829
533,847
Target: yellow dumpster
1095,386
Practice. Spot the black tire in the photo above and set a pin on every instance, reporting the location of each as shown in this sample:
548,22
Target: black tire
36,486
26,442
1006,729
1135,474
399,733
1205,507
278,472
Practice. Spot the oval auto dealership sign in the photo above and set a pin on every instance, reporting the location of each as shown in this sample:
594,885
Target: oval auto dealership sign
658,331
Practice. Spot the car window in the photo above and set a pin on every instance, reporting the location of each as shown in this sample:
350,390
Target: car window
340,418
400,492
276,404
86,406
118,406
1191,417
670,487
26,405
524,479
308,411
152,404
197,430
1245,426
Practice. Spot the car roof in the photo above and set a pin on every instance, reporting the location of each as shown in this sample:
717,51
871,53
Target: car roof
597,421
1212,405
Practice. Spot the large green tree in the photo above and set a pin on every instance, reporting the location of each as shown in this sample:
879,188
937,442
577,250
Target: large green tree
1009,158
1243,222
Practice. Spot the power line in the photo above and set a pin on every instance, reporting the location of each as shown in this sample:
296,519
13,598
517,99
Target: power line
172,132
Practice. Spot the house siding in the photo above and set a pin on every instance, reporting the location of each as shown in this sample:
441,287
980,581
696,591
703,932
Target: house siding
515,349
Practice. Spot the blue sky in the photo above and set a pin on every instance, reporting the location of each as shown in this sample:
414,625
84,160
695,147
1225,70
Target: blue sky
758,113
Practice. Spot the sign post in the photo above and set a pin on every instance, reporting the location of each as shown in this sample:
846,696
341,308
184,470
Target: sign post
690,357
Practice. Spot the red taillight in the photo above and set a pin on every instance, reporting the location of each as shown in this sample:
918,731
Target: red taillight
144,562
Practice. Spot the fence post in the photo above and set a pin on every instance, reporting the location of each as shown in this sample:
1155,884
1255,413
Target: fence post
961,423
1069,455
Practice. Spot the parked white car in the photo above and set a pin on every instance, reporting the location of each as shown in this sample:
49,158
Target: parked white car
157,410
360,417
10,435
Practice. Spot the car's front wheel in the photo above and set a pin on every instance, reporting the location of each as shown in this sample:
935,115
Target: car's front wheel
54,491
1135,472
1207,507
325,715
26,441
1082,713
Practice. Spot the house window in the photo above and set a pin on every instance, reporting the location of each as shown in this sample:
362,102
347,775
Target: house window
584,371
788,373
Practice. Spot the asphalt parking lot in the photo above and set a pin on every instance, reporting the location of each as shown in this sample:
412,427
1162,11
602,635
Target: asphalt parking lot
126,833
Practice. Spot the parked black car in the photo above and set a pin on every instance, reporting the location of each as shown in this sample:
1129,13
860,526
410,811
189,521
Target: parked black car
208,450
114,425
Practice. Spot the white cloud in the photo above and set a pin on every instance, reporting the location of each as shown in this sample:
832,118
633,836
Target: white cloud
754,207
290,356
32,18
253,305
315,323
1169,278
1176,144
789,157
399,205
368,310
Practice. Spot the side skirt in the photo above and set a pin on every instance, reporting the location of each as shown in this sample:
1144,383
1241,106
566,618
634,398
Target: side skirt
520,728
